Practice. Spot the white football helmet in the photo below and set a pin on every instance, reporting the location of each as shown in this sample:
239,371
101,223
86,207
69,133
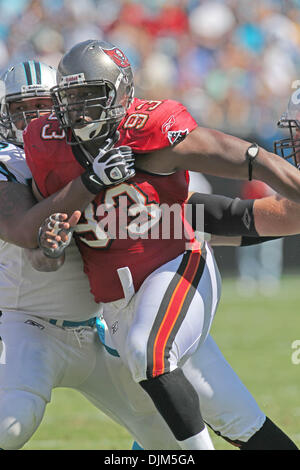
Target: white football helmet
29,79
289,147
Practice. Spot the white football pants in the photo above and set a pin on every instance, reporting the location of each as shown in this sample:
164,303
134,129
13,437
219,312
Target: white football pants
37,357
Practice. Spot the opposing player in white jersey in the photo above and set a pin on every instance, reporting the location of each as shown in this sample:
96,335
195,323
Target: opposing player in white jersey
47,319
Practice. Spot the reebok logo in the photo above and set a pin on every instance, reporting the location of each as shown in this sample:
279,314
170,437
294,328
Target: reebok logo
33,323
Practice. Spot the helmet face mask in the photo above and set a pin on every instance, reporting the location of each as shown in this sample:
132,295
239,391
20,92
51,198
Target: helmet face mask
289,147
87,109
24,95
95,88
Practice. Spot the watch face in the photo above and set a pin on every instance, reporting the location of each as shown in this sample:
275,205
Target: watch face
251,153
253,150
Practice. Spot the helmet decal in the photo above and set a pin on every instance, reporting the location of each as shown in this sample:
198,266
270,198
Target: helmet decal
32,72
72,79
118,57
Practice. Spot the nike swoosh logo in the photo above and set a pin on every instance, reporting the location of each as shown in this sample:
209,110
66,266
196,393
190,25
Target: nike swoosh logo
95,180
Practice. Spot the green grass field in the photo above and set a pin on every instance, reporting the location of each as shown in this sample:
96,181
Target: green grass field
255,334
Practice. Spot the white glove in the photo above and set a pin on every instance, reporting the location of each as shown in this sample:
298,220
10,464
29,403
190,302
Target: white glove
114,166
110,167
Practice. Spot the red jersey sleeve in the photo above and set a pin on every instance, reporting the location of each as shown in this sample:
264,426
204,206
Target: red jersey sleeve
153,125
41,139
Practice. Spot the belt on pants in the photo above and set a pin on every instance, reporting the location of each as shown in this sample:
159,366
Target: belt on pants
72,324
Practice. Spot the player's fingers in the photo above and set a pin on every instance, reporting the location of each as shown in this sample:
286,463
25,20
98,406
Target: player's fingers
53,236
109,143
50,237
59,216
74,219
50,244
56,222
64,235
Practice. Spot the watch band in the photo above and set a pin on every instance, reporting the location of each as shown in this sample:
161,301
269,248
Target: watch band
251,155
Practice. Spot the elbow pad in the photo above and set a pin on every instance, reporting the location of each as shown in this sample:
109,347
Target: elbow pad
223,215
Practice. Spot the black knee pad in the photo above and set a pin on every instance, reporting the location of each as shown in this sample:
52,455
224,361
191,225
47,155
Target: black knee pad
177,401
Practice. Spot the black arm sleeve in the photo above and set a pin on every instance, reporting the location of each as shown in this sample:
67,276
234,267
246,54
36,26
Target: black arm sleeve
246,241
226,217
223,215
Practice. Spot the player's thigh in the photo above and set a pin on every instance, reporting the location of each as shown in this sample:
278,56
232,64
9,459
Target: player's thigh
226,404
169,316
28,359
26,378
112,390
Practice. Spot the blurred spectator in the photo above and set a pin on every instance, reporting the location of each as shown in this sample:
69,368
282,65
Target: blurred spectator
232,63
199,183
259,266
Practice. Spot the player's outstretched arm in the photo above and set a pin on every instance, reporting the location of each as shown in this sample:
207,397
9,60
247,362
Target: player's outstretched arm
16,200
275,215
237,222
213,152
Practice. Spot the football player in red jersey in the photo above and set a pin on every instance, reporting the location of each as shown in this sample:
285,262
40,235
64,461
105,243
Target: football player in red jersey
160,298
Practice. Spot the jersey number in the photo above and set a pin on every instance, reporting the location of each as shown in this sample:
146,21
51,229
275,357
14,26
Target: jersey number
48,133
144,216
138,120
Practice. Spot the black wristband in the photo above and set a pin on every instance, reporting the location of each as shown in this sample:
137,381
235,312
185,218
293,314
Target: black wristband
251,155
223,215
247,241
91,182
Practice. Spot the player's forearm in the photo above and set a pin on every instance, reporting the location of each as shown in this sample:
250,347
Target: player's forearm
74,196
21,215
283,177
40,262
213,152
223,216
276,216
219,154
231,222
15,201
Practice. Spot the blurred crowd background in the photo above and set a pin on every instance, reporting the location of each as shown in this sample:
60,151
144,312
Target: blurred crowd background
231,62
